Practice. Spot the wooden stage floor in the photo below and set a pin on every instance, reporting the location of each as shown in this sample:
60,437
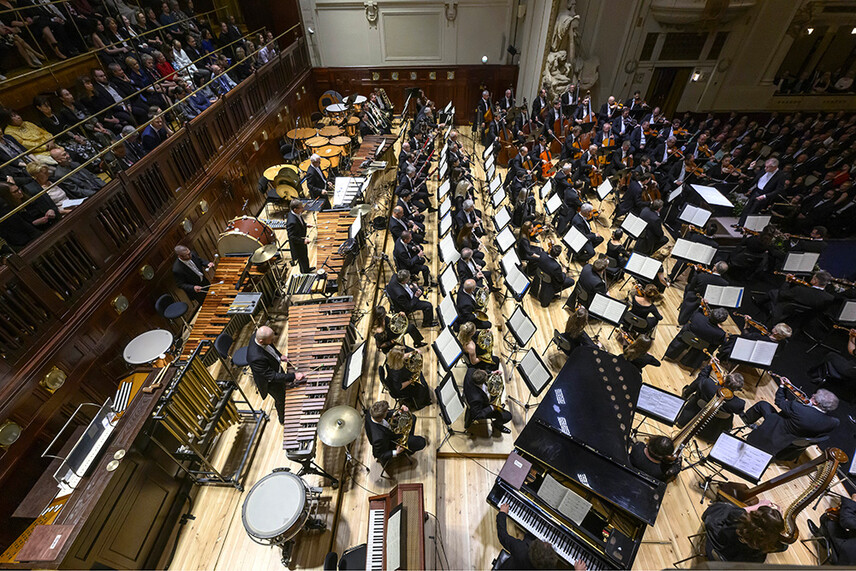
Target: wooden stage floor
457,479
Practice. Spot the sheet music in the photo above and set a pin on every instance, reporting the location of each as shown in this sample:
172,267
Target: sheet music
448,311
393,539
487,151
490,172
448,251
509,259
443,168
552,492
723,296
604,189
659,403
452,401
489,162
495,183
695,216
356,227
445,223
737,454
711,195
758,352
607,308
693,251
633,225
516,280
445,206
538,375
380,147
757,223
447,346
554,203
546,189
448,279
800,262
72,202
505,239
355,365
848,312
443,153
497,197
674,194
502,218
522,325
643,266
575,239
443,189
564,500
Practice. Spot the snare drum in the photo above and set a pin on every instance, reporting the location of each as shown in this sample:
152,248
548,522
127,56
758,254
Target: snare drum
276,508
317,142
244,235
331,153
351,127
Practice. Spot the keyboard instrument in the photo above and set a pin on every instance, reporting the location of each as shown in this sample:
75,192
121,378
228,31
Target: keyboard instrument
396,530
582,494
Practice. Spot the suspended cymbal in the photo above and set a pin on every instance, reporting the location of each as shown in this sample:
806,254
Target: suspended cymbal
339,426
264,254
361,209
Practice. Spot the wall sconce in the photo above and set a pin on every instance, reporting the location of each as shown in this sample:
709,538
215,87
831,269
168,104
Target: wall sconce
303,89
279,117
10,432
53,380
186,225
809,30
298,96
147,272
484,59
120,303
696,76
255,146
203,206
853,32
265,135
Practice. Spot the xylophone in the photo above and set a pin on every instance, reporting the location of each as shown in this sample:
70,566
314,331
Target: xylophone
317,331
212,318
332,233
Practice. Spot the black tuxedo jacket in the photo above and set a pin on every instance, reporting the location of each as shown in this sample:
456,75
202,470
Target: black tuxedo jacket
405,257
701,326
552,268
464,271
466,307
582,225
267,369
315,181
295,226
185,279
591,282
383,439
399,297
397,226
812,297
772,189
477,400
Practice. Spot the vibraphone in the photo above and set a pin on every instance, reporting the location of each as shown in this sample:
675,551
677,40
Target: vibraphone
212,320
332,232
369,147
317,331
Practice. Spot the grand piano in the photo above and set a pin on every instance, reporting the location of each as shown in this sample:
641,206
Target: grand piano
581,494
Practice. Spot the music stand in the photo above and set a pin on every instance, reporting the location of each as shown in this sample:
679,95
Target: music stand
448,279
447,348
495,183
800,262
490,172
693,252
740,458
497,197
536,375
521,329
505,240
487,151
607,309
445,223
501,219
516,282
658,404
574,239
553,204
510,259
695,216
642,268
451,405
443,189
604,189
448,253
447,311
546,189
847,315
633,226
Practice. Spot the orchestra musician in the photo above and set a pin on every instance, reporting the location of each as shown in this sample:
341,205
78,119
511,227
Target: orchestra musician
838,368
764,190
839,530
697,285
385,442
635,102
188,271
653,237
517,166
793,421
584,114
641,139
699,392
404,385
642,306
621,159
591,281
637,352
608,110
569,100
416,187
623,125
788,300
507,101
411,213
575,330
469,269
266,365
704,237
467,306
746,534
554,115
632,200
398,224
529,253
549,267
316,181
526,553
652,457
780,333
385,338
540,106
581,223
484,109
705,327
479,401
410,257
404,296
571,147
296,227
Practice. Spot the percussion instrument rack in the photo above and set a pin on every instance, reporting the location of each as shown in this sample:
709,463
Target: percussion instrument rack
194,409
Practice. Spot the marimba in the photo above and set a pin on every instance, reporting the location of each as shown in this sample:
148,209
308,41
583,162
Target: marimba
332,232
368,150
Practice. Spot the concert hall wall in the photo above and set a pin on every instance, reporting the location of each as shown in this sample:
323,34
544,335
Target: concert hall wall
56,295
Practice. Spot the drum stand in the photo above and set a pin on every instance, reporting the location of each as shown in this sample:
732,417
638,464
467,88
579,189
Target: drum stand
308,466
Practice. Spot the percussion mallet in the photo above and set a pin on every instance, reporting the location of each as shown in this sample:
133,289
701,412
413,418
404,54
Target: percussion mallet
209,285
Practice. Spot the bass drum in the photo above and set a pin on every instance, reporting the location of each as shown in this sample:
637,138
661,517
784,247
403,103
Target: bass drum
276,508
244,235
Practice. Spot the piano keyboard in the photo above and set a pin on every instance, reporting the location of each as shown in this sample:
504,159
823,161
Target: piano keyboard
565,545
375,544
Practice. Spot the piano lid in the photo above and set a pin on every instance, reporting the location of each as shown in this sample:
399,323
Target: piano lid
582,428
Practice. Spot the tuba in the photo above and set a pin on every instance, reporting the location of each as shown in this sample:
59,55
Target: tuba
495,385
480,295
398,325
484,341
401,423
682,438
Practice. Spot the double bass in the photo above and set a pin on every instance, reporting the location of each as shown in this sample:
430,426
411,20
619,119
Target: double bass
588,117
507,148
560,131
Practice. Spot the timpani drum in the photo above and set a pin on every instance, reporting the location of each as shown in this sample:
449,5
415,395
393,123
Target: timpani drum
331,131
336,109
316,142
325,165
351,127
358,101
342,141
331,153
244,235
301,133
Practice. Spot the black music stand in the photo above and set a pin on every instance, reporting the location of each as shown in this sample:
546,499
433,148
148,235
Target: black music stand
516,283
521,329
451,405
657,404
536,375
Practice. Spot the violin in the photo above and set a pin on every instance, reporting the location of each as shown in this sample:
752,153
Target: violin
700,268
748,321
793,279
716,367
692,168
705,308
675,153
798,393
850,331
594,214
705,150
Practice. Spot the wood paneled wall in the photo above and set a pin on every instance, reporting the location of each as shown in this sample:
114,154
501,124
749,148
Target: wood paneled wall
459,84
55,295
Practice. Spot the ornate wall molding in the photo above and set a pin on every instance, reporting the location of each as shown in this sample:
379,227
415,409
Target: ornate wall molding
371,12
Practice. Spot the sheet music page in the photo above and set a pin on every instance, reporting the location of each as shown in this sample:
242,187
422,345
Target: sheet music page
743,457
445,223
575,239
674,194
510,259
554,203
490,172
724,296
356,226
517,280
487,150
764,352
659,403
489,162
604,189
443,168
703,253
447,250
355,367
633,225
443,189
802,262
693,251
502,218
445,206
448,346
495,183
643,266
742,350
393,540
574,507
599,305
443,153
505,239
552,492
454,403
757,223
498,197
538,375
711,195
848,312
614,310
695,216
522,325
546,189
448,311
448,279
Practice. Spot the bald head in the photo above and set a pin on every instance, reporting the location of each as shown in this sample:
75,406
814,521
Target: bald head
264,335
